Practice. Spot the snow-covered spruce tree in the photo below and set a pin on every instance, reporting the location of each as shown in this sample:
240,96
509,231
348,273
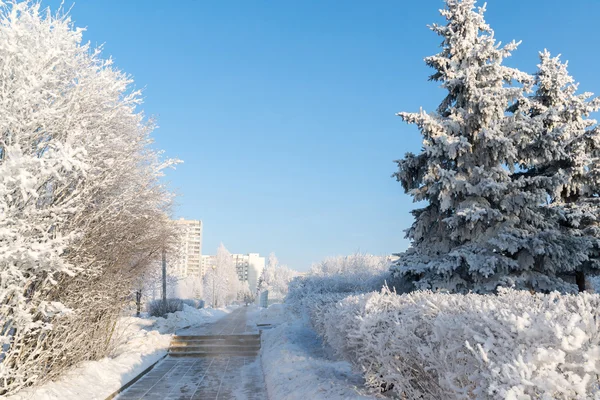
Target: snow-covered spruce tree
82,211
558,153
480,228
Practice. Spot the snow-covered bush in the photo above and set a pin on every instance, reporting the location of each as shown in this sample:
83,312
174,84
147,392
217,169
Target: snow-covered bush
425,345
156,308
82,209
338,276
195,303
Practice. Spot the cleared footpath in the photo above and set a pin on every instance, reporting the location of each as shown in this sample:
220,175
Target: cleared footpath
213,361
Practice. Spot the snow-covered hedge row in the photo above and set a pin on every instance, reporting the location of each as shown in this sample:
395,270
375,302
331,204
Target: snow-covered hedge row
336,278
305,292
424,345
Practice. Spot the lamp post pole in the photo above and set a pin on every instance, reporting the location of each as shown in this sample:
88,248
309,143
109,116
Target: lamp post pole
214,279
164,282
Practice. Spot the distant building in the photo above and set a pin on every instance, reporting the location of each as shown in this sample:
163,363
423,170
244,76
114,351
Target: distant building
249,268
189,261
207,262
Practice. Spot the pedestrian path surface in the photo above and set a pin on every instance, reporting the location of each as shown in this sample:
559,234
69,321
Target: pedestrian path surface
232,324
210,377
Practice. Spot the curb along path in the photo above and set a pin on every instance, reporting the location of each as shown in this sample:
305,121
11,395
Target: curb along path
214,361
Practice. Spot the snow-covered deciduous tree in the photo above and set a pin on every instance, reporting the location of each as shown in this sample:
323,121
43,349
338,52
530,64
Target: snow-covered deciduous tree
221,283
245,294
83,212
275,278
190,287
483,226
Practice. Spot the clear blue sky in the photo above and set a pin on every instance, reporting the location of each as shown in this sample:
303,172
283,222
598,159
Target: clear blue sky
283,111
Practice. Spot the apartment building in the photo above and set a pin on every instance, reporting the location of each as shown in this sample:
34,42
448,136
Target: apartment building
249,267
206,262
189,262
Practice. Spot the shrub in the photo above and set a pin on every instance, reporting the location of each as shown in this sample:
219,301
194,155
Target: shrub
156,308
425,345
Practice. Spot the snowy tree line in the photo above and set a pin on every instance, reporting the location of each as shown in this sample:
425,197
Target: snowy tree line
509,170
82,210
275,278
335,278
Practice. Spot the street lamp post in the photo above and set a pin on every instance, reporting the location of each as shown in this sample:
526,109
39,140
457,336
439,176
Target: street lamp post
214,278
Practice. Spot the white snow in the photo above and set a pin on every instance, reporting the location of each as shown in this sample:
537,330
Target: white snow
144,341
295,364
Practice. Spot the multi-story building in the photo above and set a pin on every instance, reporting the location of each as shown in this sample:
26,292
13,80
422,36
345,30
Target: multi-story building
249,268
190,260
207,262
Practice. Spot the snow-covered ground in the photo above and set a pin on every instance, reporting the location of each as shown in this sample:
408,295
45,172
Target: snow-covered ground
297,366
142,341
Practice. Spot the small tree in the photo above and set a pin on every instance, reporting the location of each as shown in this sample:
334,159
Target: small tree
221,283
244,294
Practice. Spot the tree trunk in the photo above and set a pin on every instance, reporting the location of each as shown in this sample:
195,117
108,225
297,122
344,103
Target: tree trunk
164,281
138,302
580,280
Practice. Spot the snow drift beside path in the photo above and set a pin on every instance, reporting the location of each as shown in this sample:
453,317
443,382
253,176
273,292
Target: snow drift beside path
295,364
142,343
189,317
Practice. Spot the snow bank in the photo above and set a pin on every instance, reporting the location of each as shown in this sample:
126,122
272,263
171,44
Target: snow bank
516,345
295,364
188,317
142,343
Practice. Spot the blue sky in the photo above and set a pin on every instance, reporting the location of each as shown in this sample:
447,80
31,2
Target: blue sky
283,111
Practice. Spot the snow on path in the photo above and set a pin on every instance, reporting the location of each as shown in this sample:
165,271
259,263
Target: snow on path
297,367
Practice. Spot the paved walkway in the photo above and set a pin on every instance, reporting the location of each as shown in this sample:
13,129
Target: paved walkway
232,324
218,377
